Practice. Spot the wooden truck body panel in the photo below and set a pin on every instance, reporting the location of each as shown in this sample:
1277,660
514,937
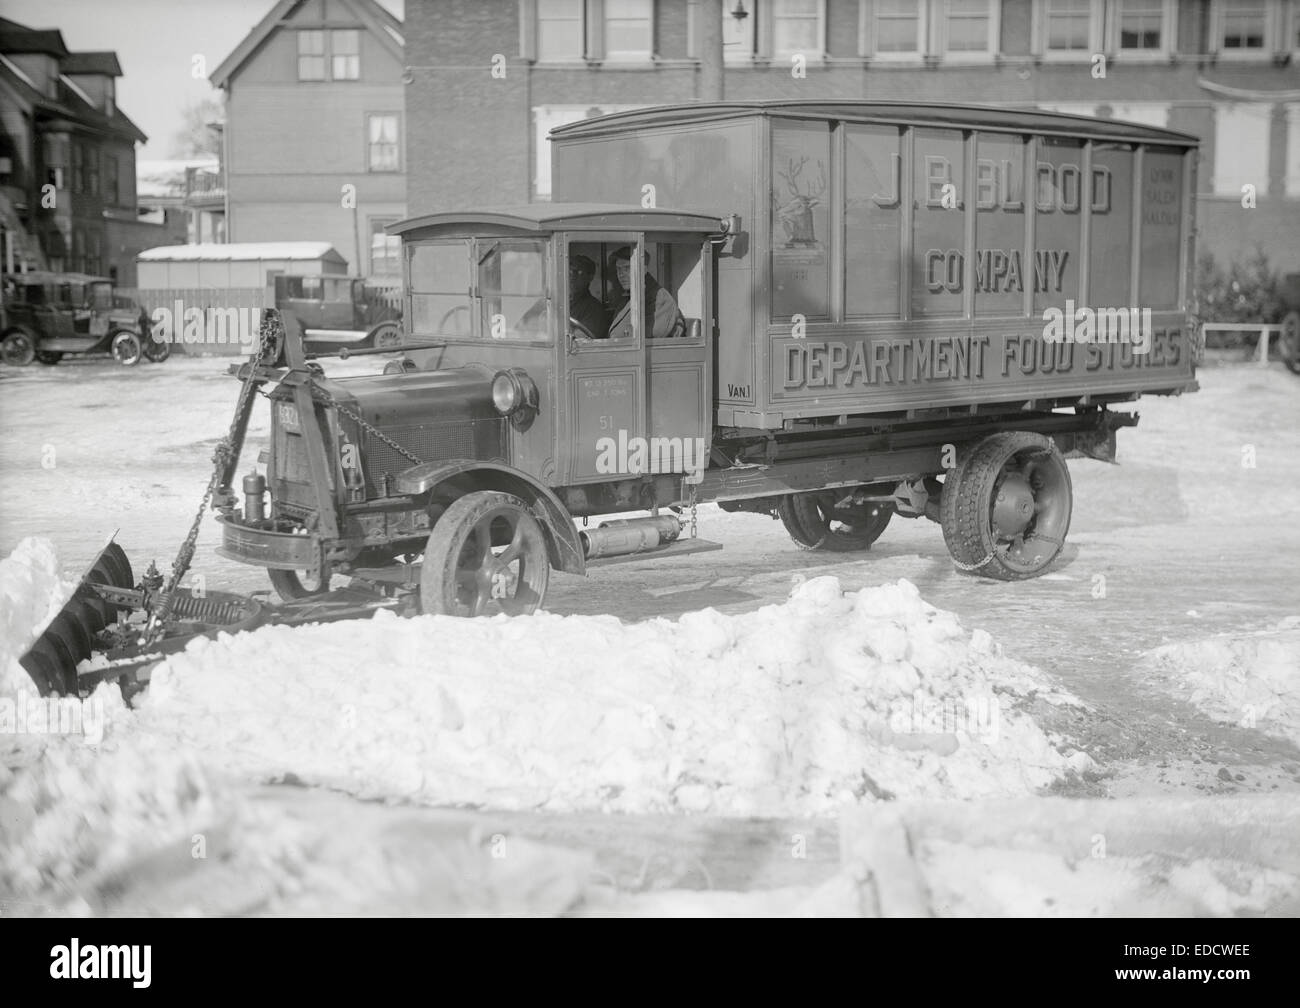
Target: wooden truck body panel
896,257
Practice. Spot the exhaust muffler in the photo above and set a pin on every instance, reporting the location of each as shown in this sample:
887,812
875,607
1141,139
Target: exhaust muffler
629,535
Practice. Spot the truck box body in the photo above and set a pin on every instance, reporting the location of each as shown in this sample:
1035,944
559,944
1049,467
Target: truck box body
895,257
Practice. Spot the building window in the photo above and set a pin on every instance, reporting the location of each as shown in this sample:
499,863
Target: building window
345,54
797,27
383,152
628,29
1241,134
1243,27
1141,25
897,28
1070,28
560,33
112,192
969,27
91,158
385,249
78,168
311,55
739,35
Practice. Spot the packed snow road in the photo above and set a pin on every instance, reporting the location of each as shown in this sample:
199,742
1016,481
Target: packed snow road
1193,536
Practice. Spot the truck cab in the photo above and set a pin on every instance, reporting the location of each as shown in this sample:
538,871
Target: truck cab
534,292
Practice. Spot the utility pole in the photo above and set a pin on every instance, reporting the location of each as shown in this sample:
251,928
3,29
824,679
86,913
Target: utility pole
710,22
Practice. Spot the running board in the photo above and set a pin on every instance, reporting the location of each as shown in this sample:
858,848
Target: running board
682,547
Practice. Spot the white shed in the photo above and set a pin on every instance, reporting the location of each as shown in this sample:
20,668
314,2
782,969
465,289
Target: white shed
239,264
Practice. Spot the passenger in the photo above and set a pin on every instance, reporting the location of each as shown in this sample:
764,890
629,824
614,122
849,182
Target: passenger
662,315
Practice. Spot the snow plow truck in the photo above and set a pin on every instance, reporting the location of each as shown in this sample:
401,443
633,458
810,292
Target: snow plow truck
837,314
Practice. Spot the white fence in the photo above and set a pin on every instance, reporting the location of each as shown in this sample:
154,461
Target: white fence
1266,332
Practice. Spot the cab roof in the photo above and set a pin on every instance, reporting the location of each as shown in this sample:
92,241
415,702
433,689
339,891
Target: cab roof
547,217
1025,120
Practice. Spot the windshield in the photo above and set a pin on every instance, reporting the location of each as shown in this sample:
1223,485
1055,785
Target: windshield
507,276
101,295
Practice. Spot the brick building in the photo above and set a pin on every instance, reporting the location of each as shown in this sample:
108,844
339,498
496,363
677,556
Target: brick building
60,127
1224,70
314,104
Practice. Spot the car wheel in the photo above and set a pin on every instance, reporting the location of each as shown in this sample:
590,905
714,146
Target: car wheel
18,349
49,357
127,350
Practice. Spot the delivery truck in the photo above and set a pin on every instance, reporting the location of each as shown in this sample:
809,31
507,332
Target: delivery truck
833,313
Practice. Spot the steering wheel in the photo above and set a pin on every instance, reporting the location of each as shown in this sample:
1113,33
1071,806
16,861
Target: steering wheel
583,331
442,325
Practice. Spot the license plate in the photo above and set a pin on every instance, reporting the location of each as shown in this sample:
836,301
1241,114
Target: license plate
288,413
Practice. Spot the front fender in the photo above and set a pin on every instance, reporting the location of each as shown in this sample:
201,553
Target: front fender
565,550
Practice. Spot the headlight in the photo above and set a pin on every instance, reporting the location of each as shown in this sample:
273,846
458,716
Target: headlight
507,395
515,395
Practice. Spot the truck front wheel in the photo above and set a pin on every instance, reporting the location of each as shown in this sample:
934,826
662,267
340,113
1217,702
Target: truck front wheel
486,555
1005,509
815,523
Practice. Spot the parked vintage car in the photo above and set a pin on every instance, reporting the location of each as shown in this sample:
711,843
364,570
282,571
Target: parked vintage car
44,316
1290,341
339,311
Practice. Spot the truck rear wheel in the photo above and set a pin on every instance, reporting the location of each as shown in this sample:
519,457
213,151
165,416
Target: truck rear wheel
815,523
486,555
1005,510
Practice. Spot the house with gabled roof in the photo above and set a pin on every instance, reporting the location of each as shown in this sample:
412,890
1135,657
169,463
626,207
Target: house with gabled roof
315,130
67,159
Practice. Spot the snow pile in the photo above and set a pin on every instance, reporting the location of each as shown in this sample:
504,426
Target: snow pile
793,709
790,710
987,881
31,593
1252,680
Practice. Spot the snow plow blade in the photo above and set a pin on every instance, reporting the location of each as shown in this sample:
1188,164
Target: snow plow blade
106,620
108,629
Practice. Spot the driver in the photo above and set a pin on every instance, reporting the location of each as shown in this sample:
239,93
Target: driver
583,306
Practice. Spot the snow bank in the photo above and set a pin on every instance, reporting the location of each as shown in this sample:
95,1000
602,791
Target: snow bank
31,593
789,710
793,709
1248,679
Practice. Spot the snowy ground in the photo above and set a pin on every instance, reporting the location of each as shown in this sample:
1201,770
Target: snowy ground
1159,661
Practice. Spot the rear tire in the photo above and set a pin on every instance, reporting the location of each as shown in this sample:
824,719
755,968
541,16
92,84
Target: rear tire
815,523
157,351
49,357
1005,510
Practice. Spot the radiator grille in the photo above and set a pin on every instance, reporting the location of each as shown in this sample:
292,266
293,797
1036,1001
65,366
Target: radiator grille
430,442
